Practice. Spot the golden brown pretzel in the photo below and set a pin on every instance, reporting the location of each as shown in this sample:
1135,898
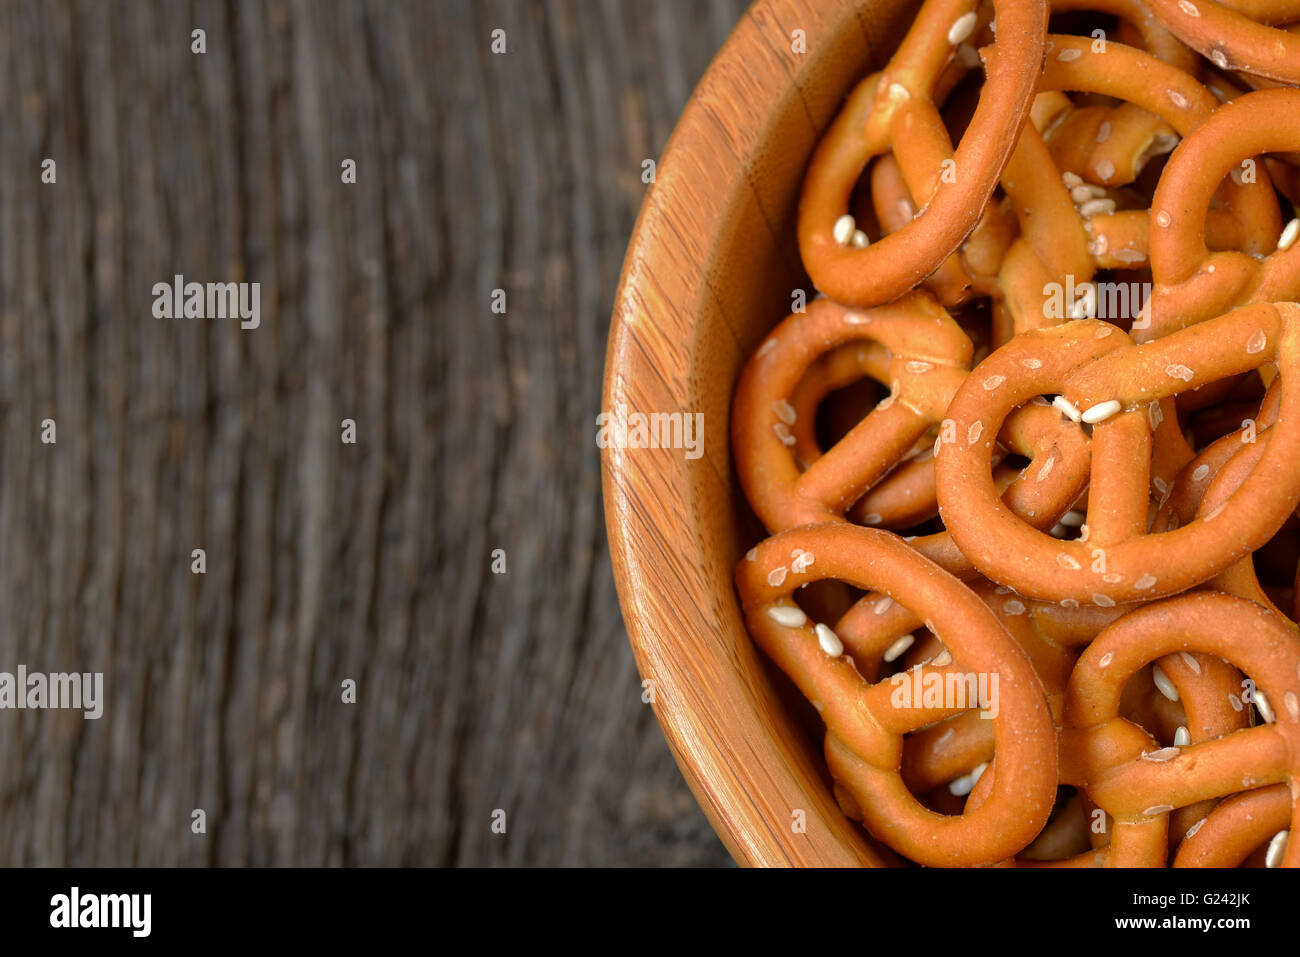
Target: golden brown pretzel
1191,283
1100,372
864,723
1230,39
1137,787
894,109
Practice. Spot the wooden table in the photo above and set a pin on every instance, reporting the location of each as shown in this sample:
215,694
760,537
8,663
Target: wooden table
326,561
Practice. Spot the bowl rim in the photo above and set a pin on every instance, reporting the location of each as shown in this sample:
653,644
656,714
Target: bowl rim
641,564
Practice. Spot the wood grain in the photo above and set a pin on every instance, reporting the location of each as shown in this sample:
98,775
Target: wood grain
711,268
326,561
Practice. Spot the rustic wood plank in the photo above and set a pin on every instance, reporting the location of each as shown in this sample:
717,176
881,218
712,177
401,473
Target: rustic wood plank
326,561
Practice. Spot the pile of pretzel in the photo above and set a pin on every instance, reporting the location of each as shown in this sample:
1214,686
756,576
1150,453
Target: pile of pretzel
1033,553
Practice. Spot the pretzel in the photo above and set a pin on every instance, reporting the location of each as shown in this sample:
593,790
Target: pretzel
1229,36
864,729
1105,520
1191,283
1139,787
1095,367
895,109
929,356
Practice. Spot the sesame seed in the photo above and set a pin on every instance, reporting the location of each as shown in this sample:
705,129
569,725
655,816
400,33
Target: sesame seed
1164,754
1177,370
1188,8
1073,518
789,616
882,606
1289,235
1103,132
919,366
1292,705
1200,472
1101,411
872,518
1190,662
1106,659
1191,831
1065,561
783,433
842,231
860,239
855,319
1163,219
1265,709
1219,58
973,433
1071,180
1163,683
1067,55
752,555
942,660
1177,99
1158,809
960,787
1032,363
967,56
1013,607
895,651
1072,603
1276,849
1105,601
898,93
961,28
1046,470
1084,192
1097,207
776,576
1066,408
1182,737
829,641
993,381
784,411
1105,169
1258,341
978,773
1145,582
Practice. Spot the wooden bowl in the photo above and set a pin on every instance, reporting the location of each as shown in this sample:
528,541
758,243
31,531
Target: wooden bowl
711,268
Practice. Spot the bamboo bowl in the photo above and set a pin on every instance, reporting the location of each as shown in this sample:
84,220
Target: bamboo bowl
711,268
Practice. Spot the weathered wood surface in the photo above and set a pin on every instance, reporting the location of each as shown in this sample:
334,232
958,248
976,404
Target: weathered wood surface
326,561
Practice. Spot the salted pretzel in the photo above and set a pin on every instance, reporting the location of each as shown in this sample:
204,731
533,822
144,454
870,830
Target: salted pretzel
865,728
1104,515
1138,787
895,110
1191,283
1096,368
1074,231
1236,35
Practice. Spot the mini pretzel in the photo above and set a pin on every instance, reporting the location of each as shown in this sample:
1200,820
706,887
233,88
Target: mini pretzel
1231,40
1191,283
1138,793
895,109
929,354
864,729
1096,367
